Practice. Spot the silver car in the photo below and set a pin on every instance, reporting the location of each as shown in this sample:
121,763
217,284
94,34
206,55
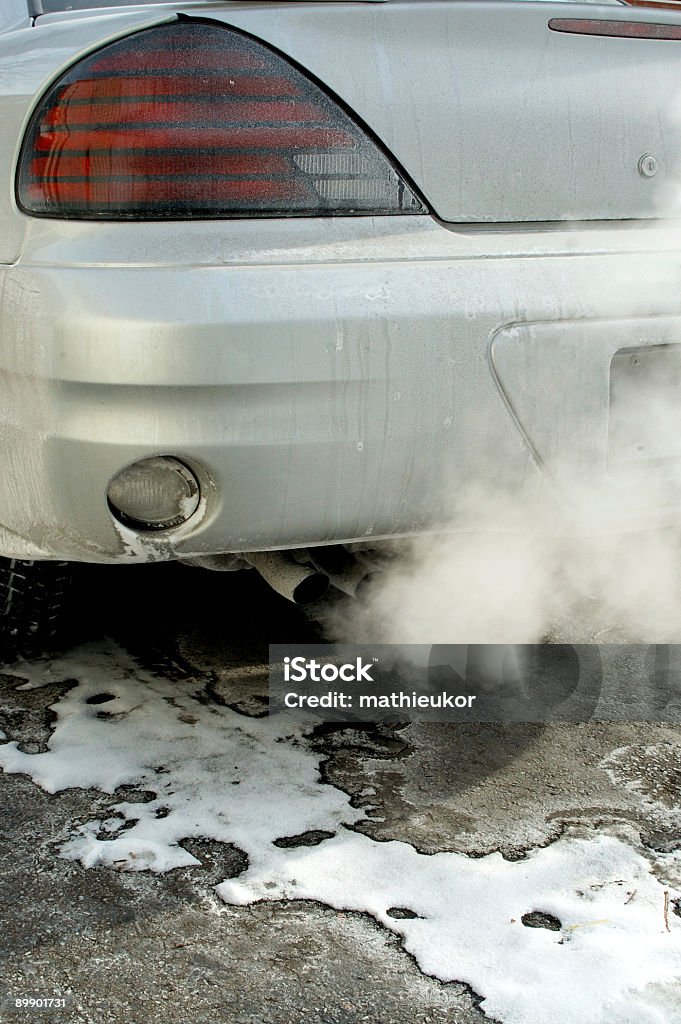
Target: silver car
280,280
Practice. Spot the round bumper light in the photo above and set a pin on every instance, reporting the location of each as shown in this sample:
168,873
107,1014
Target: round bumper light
154,494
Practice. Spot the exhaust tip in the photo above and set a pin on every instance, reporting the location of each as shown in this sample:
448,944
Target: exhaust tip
366,585
312,589
291,579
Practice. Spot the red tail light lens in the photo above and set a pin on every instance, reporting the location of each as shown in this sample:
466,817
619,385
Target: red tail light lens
195,120
669,5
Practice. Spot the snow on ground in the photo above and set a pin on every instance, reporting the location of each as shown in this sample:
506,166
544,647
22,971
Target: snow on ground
220,775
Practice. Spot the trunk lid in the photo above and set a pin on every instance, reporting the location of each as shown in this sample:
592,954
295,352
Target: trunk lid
493,116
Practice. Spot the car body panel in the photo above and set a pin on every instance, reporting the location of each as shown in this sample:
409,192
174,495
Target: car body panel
543,126
328,380
494,117
13,14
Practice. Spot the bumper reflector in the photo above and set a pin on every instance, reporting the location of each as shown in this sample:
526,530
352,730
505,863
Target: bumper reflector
154,494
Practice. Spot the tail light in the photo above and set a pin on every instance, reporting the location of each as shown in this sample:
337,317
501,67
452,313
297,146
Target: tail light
615,29
196,120
669,5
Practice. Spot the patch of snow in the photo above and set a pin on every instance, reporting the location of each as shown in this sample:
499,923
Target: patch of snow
469,925
219,774
222,776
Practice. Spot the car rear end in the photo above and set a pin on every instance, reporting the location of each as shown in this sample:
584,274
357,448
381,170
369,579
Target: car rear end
280,276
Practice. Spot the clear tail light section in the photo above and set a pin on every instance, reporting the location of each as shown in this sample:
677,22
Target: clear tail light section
195,120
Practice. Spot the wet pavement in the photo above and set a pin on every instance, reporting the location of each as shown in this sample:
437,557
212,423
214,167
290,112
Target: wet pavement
129,946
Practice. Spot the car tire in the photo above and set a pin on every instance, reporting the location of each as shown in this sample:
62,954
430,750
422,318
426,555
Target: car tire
33,601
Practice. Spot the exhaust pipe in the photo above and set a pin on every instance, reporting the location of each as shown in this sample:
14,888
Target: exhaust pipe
216,563
345,572
297,583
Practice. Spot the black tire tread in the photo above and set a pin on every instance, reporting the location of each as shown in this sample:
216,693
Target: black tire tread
33,601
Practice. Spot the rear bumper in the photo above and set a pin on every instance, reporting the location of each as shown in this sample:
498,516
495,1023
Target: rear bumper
327,380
